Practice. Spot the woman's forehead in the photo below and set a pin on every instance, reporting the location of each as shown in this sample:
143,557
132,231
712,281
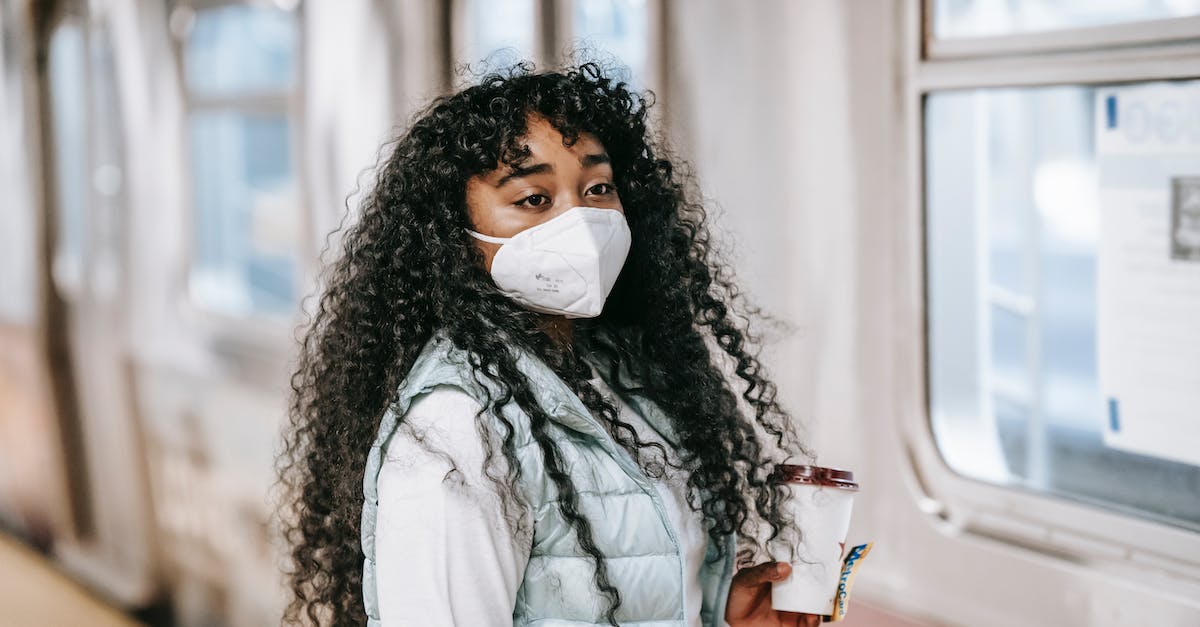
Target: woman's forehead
543,139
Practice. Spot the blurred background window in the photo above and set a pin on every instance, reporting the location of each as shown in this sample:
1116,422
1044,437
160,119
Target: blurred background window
501,31
238,48
979,18
68,115
18,219
240,66
616,27
1012,229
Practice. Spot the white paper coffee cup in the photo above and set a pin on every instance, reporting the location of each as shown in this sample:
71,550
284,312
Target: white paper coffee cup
823,499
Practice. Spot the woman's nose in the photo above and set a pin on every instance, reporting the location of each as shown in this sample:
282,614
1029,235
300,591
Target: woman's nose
571,199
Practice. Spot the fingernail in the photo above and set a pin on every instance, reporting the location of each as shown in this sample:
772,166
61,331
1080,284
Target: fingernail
778,570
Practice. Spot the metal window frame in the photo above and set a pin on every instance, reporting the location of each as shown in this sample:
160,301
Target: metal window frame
1146,32
59,293
1051,529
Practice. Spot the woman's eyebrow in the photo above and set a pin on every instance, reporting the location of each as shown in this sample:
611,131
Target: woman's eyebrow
520,171
541,168
595,159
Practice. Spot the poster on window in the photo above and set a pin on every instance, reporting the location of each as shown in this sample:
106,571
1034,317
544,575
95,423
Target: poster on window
1148,268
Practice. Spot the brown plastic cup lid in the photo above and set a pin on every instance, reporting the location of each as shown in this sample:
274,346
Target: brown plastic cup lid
816,475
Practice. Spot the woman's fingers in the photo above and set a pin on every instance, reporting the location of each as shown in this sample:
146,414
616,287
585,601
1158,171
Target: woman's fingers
762,573
804,620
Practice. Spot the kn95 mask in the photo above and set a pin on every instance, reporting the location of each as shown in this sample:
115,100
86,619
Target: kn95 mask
566,265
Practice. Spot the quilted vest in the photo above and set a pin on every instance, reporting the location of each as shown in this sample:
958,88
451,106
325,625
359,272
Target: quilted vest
629,522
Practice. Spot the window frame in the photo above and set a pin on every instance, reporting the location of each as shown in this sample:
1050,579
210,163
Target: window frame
1049,528
1153,31
253,337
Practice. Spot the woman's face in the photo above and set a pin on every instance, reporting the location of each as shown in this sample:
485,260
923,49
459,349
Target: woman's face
554,178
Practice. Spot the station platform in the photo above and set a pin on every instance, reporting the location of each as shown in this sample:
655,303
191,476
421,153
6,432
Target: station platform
33,593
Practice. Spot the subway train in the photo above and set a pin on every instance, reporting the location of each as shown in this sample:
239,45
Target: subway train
975,225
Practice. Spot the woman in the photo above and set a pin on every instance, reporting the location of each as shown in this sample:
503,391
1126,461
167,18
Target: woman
510,405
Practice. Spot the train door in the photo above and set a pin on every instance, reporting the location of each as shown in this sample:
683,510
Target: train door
85,193
33,488
221,253
242,169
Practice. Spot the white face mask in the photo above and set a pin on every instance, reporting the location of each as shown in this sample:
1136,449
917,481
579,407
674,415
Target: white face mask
566,265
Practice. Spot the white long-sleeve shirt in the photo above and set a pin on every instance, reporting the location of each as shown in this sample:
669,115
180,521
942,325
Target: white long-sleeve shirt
443,553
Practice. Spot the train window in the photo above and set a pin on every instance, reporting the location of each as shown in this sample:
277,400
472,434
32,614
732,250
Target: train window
975,18
68,115
1013,184
241,48
619,27
616,33
18,222
240,76
501,31
245,236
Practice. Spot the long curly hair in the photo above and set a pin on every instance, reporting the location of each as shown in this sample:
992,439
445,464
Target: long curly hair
675,319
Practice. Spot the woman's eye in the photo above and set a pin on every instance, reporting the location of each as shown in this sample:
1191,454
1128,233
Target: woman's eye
601,189
533,200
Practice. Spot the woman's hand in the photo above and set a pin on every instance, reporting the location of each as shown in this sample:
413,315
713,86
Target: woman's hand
749,602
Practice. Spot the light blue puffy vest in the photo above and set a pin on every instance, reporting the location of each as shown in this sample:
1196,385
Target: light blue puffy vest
639,542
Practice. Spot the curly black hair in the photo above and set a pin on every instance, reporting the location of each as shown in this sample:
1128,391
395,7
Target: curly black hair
675,319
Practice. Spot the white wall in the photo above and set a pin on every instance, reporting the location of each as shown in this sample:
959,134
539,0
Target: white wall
791,152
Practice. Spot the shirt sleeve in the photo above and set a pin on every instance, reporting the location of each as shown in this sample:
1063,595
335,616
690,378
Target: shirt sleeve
444,554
